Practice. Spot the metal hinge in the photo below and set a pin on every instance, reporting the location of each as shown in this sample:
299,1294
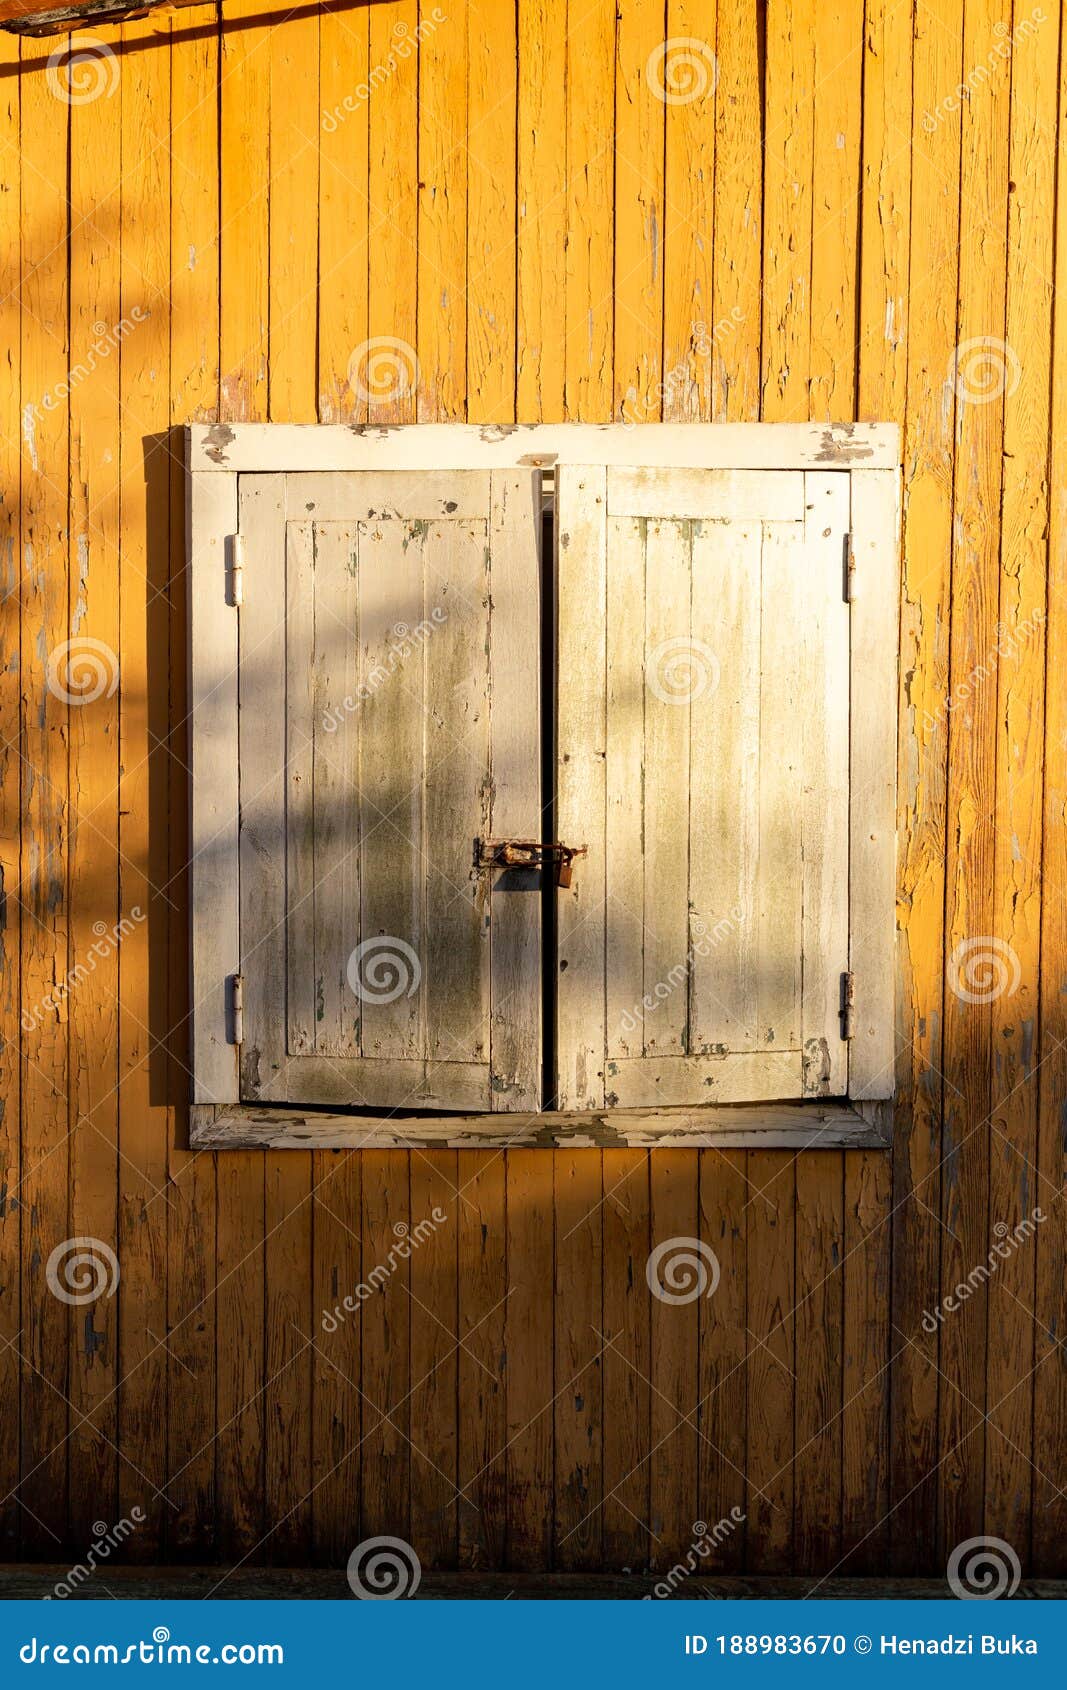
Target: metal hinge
848,1004
237,1008
850,569
237,569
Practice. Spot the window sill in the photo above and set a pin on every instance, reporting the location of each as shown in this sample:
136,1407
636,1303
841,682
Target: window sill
832,1125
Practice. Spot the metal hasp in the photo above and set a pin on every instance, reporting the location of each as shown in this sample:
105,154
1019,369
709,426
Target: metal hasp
528,853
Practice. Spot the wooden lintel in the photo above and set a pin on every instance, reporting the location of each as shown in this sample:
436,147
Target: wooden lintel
31,17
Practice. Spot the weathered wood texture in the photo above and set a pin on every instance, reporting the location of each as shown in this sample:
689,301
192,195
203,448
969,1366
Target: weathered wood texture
234,220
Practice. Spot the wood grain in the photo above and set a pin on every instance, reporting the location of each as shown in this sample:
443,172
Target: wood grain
840,226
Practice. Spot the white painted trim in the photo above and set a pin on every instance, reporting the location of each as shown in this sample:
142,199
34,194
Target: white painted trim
783,1126
873,781
244,448
218,453
214,909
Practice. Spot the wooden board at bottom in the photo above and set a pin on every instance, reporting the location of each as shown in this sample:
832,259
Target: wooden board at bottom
779,1126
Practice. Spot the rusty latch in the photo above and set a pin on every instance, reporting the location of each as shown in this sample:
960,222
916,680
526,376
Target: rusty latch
529,853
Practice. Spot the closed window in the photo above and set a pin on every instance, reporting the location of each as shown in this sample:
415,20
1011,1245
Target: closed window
543,774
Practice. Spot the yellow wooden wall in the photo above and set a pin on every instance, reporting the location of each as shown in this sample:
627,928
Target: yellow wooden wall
813,233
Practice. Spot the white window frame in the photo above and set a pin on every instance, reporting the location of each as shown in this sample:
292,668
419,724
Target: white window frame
217,454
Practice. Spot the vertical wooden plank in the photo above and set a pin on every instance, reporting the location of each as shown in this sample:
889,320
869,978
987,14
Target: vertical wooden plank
589,304
266,639
528,1358
968,1054
385,1347
772,1377
384,370
724,806
343,208
244,233
44,1191
674,1430
872,752
721,1482
344,258
435,1340
627,1366
244,307
10,790
867,1527
287,1385
391,771
624,789
307,599
335,900
482,1397
194,378
783,591
640,107
885,211
293,49
1049,1537
456,738
687,72
1015,1188
668,592
738,216
817,1321
96,334
581,502
788,153
492,143
336,1400
145,1122
542,198
442,219
515,683
866,1524
928,453
578,1482
836,98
